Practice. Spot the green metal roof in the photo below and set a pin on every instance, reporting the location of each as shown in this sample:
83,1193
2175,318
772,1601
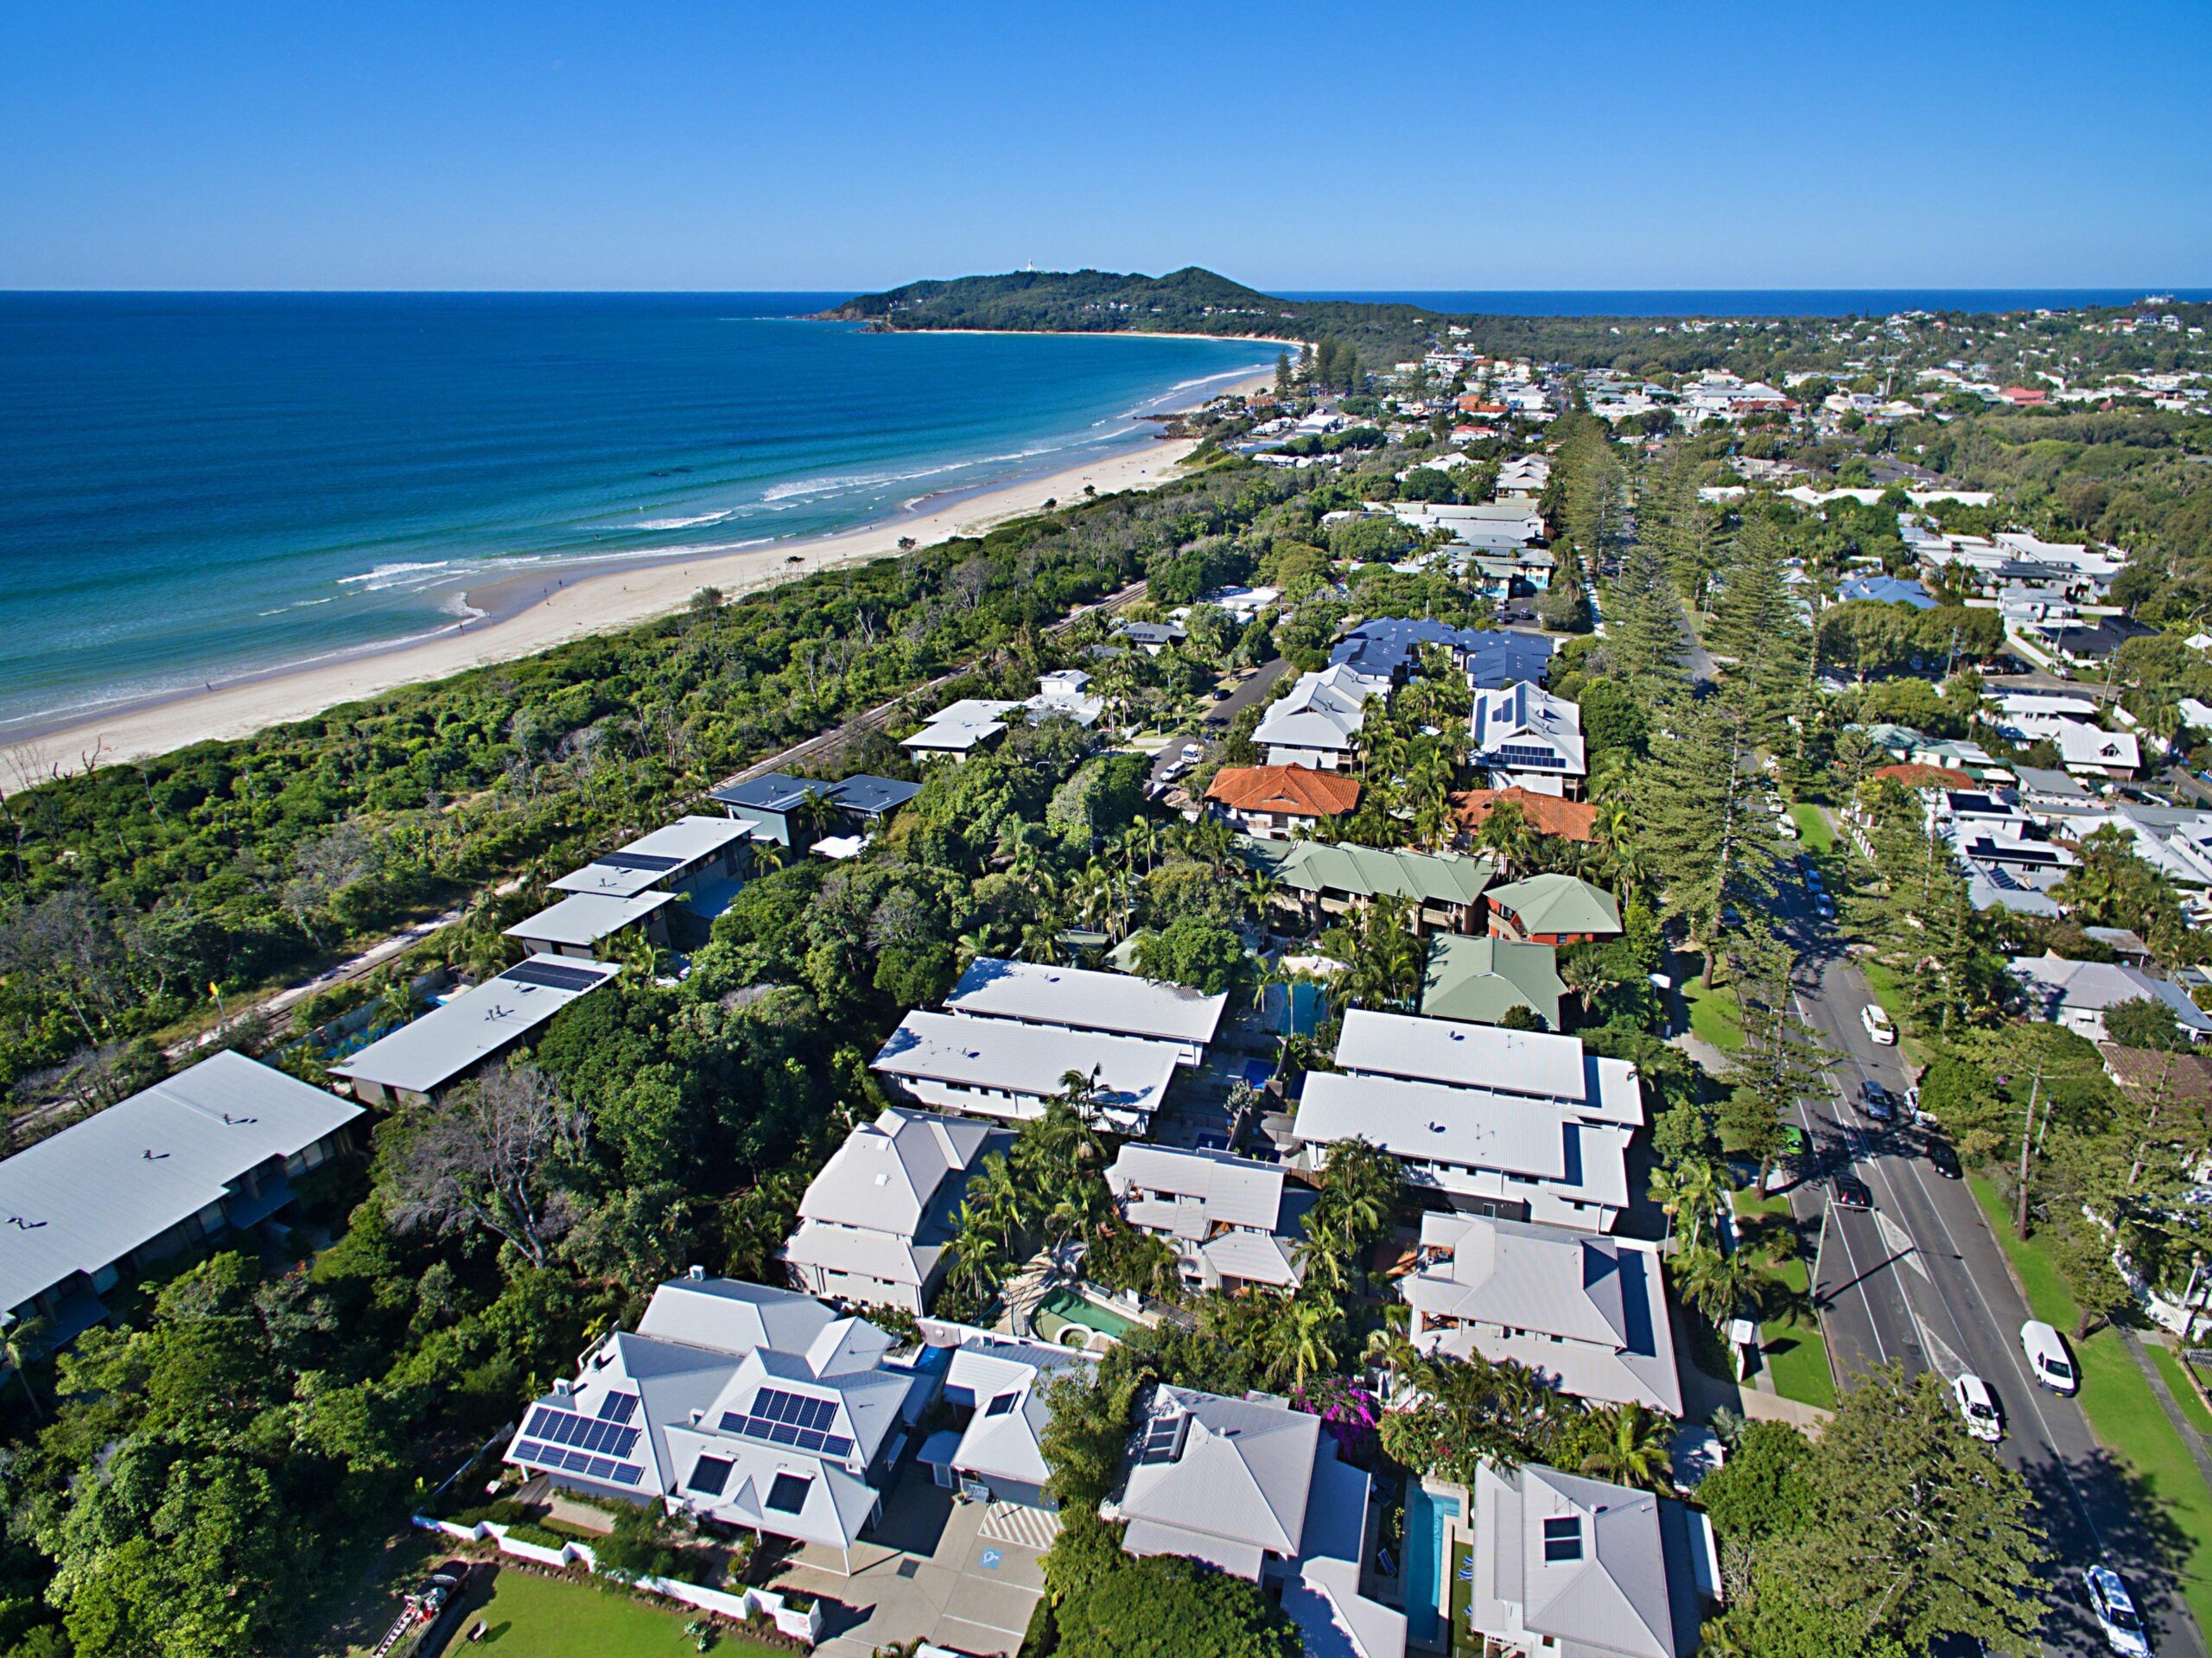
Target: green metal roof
1559,904
1475,980
1363,872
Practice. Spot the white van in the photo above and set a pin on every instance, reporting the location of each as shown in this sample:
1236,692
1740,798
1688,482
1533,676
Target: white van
1878,1024
2047,1359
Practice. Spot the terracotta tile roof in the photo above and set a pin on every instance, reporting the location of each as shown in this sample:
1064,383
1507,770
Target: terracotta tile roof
1296,789
1916,775
2184,1078
1571,820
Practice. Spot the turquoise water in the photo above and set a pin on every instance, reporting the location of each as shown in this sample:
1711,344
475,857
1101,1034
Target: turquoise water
1424,1562
193,486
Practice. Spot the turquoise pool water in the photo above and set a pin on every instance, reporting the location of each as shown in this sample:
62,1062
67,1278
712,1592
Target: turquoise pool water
1071,1308
1424,1566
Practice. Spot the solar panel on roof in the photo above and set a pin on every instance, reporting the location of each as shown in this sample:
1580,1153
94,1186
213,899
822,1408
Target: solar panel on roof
650,863
709,1475
788,1494
617,1406
587,1434
552,975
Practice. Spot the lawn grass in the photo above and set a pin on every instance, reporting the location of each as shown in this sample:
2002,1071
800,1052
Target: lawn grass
1813,825
1716,1017
1795,1356
2126,1415
530,1616
2191,1402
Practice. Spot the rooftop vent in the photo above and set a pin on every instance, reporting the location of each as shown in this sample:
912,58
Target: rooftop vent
696,1274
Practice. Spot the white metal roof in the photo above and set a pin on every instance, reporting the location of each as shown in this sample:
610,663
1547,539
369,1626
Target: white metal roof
92,1193
666,853
1118,1003
1232,1191
584,919
1427,1122
1537,1063
1133,1072
435,1049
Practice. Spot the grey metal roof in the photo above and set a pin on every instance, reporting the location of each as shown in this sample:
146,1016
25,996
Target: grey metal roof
1119,1003
652,859
1617,1597
1232,1191
779,792
1237,1470
1588,1312
443,1043
888,1173
1004,1054
584,919
1538,1064
97,1191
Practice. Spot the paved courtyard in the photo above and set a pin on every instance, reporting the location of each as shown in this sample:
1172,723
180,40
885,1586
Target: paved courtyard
963,1575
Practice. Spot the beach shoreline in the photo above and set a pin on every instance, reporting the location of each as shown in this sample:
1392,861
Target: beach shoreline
515,617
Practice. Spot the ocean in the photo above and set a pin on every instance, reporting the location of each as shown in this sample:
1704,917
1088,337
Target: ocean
194,487
1750,302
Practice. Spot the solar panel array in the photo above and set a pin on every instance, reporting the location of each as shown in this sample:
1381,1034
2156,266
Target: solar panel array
592,1446
788,1494
1162,1436
553,976
1521,754
791,1418
617,1406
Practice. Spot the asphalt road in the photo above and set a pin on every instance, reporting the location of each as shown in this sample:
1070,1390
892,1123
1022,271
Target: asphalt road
1920,1279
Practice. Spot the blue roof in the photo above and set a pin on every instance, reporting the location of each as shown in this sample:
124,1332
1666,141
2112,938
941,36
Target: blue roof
1886,590
1495,657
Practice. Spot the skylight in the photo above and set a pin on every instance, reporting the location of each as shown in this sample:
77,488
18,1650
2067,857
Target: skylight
1563,1539
788,1494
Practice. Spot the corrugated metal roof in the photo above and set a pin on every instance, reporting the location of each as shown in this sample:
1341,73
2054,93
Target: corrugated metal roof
1132,1072
423,1057
1119,1004
92,1193
584,919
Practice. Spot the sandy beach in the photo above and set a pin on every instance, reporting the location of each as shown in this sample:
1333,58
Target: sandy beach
586,604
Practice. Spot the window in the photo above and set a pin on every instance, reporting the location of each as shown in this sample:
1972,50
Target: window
788,1496
1562,1539
708,1476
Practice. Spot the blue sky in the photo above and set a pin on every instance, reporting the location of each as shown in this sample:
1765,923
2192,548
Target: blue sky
756,145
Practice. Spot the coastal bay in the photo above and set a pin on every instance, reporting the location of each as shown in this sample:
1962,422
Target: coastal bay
525,617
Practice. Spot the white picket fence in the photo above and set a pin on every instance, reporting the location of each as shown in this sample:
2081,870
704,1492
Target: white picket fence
742,1605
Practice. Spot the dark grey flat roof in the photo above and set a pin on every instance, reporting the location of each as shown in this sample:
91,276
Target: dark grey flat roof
779,792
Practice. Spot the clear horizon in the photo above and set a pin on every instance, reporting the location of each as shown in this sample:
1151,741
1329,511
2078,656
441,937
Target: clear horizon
1578,146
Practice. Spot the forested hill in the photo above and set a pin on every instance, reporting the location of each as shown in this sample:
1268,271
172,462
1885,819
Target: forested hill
1190,301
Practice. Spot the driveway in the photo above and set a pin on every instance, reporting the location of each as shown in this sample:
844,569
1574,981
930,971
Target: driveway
961,1575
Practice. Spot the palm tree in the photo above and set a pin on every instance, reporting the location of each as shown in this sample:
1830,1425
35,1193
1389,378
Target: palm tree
768,857
1301,1338
1634,1448
21,1340
1716,1285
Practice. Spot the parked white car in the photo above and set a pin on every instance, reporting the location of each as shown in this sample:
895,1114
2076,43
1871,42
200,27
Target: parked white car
1785,829
1878,1024
2116,1612
1979,1407
2048,1360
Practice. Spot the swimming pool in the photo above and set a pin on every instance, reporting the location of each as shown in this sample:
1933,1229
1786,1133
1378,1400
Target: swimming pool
1424,1557
1063,1307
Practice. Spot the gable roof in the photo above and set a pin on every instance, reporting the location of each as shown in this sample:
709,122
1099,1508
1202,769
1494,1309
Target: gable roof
1525,711
1476,979
1558,903
2059,987
90,1195
1570,820
1299,790
1232,1191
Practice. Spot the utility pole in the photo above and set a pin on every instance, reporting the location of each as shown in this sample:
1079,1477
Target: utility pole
2027,1142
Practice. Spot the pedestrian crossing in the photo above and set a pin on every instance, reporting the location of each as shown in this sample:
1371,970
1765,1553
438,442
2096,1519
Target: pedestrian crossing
1009,1522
